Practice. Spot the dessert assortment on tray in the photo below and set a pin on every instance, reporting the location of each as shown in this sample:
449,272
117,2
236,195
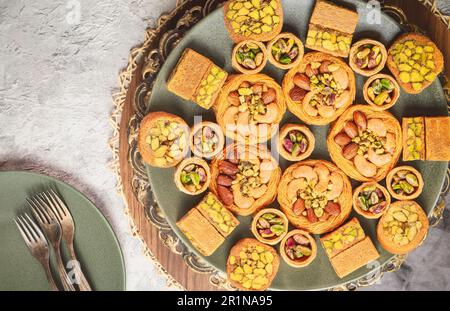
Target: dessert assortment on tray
315,196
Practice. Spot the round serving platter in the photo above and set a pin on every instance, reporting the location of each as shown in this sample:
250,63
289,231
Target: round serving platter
209,37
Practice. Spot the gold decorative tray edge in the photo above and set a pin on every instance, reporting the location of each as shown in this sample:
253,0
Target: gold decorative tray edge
190,12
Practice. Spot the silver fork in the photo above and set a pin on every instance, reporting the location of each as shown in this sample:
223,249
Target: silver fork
52,230
37,245
64,217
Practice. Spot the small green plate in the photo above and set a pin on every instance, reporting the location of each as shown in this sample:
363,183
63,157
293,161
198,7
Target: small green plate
95,244
210,38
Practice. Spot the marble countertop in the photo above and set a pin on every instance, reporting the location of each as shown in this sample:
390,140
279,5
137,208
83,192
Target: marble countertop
59,61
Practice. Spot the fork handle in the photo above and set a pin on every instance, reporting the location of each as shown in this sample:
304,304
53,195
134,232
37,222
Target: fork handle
49,276
62,271
84,284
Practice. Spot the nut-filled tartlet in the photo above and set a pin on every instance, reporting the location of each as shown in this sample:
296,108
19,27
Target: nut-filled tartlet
368,57
249,57
259,20
163,139
192,176
381,91
415,61
403,227
196,78
295,142
250,107
371,200
319,89
331,29
315,195
365,143
206,139
285,50
270,225
404,183
298,248
245,178
252,265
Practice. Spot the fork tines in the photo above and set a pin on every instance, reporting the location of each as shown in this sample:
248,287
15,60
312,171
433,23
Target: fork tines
29,230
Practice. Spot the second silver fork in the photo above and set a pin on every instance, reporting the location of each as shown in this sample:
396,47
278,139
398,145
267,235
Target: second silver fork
52,230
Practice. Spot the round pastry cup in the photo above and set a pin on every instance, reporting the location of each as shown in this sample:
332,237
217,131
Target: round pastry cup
255,222
354,50
301,128
182,165
390,177
146,125
368,214
348,165
241,68
217,129
301,263
396,92
301,51
394,248
247,242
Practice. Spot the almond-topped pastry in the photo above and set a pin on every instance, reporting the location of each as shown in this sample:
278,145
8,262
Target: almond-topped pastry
348,248
192,176
403,227
259,20
319,89
269,226
365,143
414,138
250,107
252,265
371,200
285,50
206,139
315,196
415,61
220,217
249,56
331,29
245,178
381,91
202,234
196,78
368,57
298,248
295,142
404,183
163,139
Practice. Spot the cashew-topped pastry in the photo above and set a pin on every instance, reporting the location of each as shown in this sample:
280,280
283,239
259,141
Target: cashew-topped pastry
319,89
163,139
250,107
245,178
315,195
365,143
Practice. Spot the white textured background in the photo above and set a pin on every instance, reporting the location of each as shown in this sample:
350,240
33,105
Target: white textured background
56,80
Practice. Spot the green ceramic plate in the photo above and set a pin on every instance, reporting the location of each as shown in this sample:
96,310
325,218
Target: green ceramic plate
96,245
210,38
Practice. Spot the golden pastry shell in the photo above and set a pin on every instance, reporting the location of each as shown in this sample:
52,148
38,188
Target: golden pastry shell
182,165
298,59
390,177
294,263
241,68
368,214
304,130
396,91
354,50
255,222
216,128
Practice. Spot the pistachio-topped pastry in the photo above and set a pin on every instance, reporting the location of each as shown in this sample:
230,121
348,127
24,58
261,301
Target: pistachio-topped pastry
298,248
295,142
381,91
343,237
404,183
270,225
371,200
413,139
260,20
163,139
285,50
252,265
368,57
192,176
415,61
249,57
403,227
206,139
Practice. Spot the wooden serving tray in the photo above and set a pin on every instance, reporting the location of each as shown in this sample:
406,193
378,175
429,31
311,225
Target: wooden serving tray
183,268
